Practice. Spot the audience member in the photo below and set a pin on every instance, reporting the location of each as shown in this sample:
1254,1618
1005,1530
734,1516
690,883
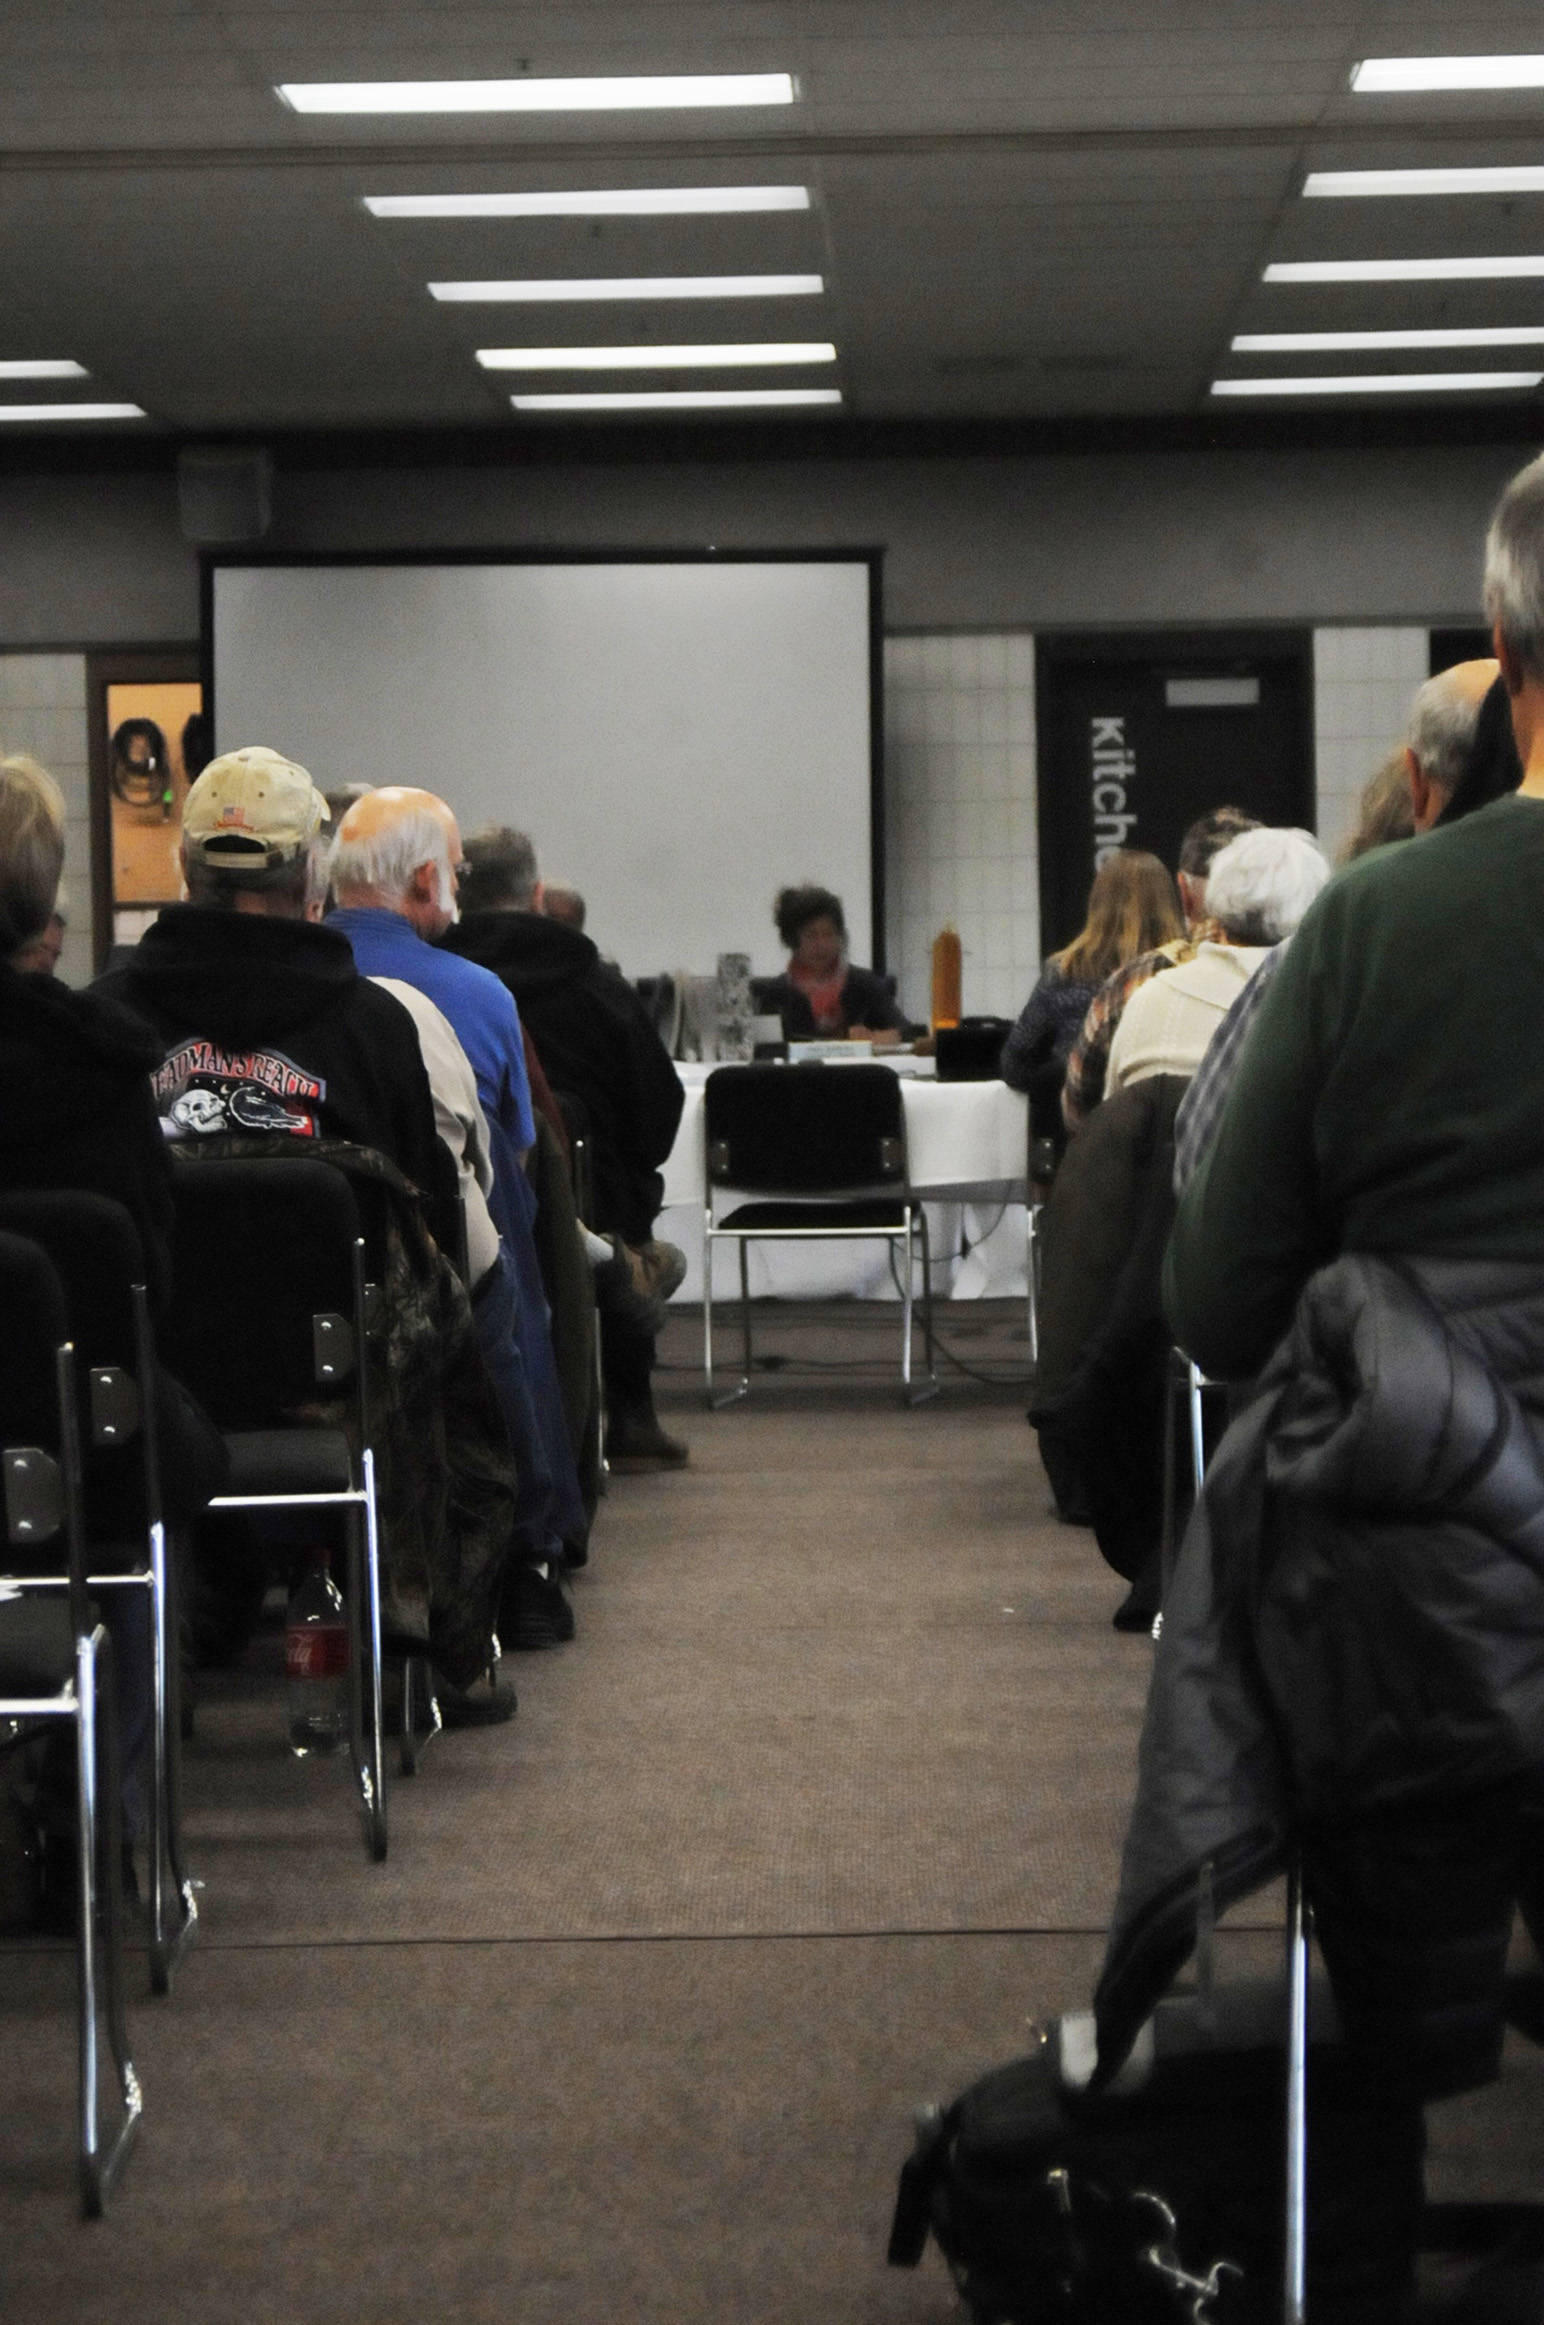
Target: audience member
1257,891
1089,1057
81,1117
1388,813
562,901
1443,722
599,1047
394,869
1351,1652
1384,812
266,1030
1131,910
820,994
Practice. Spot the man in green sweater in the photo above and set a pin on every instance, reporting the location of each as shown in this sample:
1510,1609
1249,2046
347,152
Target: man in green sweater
1391,1096
1390,1102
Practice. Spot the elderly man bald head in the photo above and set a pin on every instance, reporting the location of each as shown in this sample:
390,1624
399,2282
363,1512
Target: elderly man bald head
399,850
1443,718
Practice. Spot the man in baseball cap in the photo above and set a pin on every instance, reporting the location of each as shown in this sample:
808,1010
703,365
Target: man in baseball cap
251,811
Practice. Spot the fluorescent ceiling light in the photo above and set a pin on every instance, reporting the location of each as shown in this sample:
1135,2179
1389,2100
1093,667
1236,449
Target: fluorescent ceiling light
42,367
1400,270
615,93
20,412
620,202
645,286
722,357
676,400
1321,342
1379,383
1509,178
1378,75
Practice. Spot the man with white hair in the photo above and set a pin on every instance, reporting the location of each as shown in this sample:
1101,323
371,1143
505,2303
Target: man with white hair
1441,735
394,870
1258,888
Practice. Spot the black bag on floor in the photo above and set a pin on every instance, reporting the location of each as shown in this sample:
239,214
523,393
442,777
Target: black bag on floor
1160,2199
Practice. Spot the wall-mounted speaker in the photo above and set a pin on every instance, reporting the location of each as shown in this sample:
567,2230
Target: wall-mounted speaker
224,494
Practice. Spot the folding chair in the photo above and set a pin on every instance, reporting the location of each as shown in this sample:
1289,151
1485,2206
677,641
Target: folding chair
825,1147
95,1250
56,1665
267,1315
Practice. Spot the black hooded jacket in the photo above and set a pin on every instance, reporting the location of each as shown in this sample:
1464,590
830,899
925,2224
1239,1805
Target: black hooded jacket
265,1025
78,1111
596,1043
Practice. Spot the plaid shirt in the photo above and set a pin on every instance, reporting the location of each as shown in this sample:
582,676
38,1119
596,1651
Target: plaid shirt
1200,1110
1089,1059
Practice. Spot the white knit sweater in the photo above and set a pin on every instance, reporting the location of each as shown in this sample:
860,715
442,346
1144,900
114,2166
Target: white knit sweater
1167,1023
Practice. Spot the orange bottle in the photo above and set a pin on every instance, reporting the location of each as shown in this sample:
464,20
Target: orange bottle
946,977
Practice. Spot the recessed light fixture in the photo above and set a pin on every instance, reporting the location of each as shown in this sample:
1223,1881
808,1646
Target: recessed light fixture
18,413
618,202
624,92
676,400
722,357
1400,270
1507,178
42,367
1380,383
1377,76
646,286
1321,342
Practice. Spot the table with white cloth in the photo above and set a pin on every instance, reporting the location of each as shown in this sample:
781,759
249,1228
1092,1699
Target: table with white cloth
967,1146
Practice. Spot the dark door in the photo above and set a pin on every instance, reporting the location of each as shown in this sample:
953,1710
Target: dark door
1140,734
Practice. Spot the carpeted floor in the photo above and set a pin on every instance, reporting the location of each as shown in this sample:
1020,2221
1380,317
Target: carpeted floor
821,1807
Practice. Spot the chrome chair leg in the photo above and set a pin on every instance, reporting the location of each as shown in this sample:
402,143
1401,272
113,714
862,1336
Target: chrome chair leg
930,1387
375,1772
1197,1382
1295,2247
100,1844
1032,1276
906,1301
707,1301
170,1889
417,1678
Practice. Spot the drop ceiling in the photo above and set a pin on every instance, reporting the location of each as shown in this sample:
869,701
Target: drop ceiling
1019,211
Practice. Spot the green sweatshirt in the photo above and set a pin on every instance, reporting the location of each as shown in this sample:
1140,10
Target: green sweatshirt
1390,1098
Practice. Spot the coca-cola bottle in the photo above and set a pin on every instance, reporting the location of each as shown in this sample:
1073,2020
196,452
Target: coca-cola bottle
316,1661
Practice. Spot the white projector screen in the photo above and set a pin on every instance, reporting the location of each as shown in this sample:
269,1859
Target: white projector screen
680,737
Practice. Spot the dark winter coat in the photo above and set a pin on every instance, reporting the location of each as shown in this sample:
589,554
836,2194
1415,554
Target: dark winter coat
266,1026
597,1043
78,1111
1356,1621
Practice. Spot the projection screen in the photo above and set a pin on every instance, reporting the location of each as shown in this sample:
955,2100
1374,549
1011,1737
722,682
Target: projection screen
679,736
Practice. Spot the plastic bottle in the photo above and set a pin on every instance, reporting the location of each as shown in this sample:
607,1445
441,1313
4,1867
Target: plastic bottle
316,1661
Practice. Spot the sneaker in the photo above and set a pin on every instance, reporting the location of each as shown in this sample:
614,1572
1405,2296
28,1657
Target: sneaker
474,1707
535,1612
636,1282
635,1446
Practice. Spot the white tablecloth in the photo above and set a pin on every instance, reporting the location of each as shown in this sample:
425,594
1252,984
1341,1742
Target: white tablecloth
968,1146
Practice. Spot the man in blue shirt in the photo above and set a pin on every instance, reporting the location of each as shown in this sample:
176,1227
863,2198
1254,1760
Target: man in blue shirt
394,872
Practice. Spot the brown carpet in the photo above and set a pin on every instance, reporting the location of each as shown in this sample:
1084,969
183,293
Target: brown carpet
822,1806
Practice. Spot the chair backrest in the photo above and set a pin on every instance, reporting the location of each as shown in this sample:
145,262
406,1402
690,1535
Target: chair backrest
972,1050
267,1278
97,1254
804,1130
37,1417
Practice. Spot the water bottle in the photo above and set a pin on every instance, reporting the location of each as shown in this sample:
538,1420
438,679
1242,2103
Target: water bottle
316,1661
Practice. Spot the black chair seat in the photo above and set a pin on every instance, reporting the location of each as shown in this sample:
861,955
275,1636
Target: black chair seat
883,1216
37,1645
285,1461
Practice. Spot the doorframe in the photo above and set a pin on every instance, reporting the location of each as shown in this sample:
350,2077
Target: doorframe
119,666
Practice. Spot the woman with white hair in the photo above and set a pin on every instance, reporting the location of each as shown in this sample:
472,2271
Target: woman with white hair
1258,889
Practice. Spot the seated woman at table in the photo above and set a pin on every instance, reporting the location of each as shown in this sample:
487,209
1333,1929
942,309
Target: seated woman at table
821,995
1132,909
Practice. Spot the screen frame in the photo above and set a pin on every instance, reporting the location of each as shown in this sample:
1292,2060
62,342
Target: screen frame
871,556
